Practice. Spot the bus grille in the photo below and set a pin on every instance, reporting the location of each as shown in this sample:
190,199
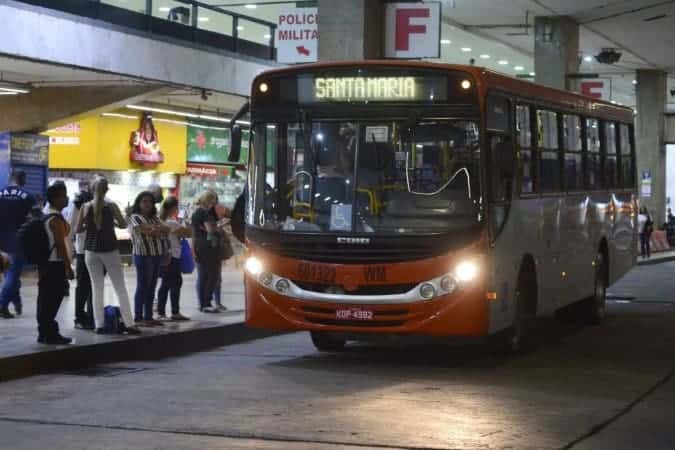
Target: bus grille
338,253
386,289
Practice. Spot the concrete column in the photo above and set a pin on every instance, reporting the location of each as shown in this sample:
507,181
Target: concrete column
556,51
350,29
649,139
43,106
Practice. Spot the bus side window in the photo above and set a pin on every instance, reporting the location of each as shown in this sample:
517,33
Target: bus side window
611,163
574,175
547,146
593,166
524,136
501,147
627,161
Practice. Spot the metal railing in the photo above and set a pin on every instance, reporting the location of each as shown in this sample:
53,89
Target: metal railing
180,22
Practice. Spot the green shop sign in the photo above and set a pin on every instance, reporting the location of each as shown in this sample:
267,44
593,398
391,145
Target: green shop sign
212,146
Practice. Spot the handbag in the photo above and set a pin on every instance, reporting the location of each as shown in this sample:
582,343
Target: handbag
187,261
227,251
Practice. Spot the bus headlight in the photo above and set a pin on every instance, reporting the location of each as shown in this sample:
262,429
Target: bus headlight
427,290
448,284
283,286
266,278
253,266
466,271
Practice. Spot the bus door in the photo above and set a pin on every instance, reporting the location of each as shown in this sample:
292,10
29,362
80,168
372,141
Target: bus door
500,172
501,162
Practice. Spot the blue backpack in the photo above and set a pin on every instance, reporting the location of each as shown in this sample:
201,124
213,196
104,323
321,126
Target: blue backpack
112,320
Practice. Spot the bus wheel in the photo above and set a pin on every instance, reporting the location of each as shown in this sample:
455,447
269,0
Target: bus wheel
594,306
513,340
326,342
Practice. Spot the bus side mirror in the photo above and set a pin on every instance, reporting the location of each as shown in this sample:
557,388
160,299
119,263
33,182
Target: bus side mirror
235,144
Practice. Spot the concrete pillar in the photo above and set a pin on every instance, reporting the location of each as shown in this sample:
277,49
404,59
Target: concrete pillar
350,29
556,51
47,105
649,139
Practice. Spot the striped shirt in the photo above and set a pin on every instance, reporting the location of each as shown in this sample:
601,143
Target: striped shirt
143,244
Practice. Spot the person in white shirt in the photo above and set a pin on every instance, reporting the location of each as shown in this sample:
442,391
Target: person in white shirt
172,280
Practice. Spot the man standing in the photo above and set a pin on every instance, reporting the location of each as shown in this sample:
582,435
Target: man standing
15,204
56,271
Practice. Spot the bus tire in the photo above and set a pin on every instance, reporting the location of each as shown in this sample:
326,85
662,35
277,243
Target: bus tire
325,342
514,339
594,307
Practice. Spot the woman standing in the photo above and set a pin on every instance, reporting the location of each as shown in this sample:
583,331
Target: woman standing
98,220
172,280
150,244
645,227
209,243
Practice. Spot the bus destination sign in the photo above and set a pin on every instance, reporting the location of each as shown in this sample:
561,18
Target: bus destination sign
371,89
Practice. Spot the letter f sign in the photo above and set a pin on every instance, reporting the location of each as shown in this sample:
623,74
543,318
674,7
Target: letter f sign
404,28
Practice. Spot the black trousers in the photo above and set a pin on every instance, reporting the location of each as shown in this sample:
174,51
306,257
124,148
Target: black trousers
209,271
84,311
172,281
51,289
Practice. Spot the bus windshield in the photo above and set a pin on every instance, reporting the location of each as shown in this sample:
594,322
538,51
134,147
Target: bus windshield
389,177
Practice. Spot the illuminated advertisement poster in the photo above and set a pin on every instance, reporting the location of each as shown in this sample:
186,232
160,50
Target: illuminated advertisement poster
145,144
211,145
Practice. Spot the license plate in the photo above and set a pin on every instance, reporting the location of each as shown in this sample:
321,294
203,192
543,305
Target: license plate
354,314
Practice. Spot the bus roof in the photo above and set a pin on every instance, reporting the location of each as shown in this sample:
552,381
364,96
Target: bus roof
488,79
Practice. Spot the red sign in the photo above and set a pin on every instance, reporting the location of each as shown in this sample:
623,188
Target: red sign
412,30
203,170
145,144
595,88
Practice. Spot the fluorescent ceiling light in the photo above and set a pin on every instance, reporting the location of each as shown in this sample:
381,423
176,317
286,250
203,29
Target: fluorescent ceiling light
465,49
164,9
268,36
163,111
250,6
446,41
634,82
485,56
518,68
502,62
120,116
8,93
203,19
588,58
240,28
185,114
532,74
14,88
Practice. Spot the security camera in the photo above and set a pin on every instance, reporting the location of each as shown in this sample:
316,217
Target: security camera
205,94
472,62
608,56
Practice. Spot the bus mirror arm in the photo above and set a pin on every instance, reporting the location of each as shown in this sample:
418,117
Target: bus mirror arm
235,134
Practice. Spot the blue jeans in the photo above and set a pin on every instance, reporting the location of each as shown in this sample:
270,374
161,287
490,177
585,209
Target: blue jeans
11,287
147,273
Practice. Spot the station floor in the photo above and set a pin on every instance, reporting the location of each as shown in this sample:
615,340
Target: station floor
18,335
606,387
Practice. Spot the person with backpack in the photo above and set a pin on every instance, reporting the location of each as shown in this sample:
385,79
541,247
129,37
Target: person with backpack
172,279
150,245
98,220
16,205
54,268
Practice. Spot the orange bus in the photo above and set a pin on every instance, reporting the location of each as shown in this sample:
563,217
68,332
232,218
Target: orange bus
411,198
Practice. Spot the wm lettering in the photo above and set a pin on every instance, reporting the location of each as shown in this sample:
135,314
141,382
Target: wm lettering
375,273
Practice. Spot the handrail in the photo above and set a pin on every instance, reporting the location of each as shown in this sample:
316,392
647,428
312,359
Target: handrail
220,10
96,9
